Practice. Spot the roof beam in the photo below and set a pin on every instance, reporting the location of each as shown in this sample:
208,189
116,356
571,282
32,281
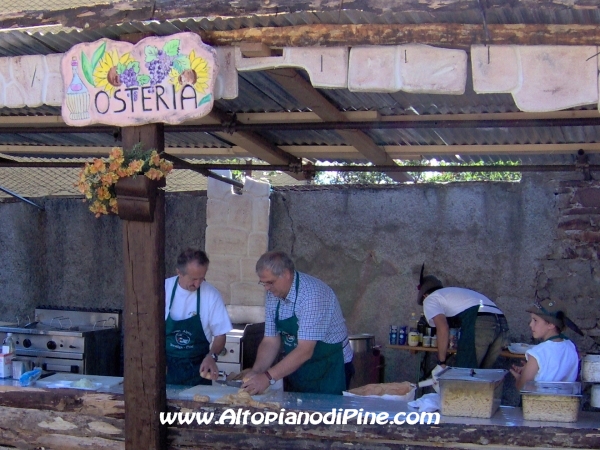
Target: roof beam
305,93
455,35
106,13
255,145
322,152
311,117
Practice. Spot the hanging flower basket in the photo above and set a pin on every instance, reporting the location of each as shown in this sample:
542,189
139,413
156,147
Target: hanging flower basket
133,176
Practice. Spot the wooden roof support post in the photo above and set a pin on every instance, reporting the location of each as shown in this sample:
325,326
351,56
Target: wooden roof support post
144,318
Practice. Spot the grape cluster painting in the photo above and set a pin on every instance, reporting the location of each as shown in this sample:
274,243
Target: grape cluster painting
160,79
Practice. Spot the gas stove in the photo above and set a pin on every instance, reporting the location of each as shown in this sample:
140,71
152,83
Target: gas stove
70,340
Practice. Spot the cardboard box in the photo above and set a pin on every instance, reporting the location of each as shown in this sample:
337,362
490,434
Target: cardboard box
6,365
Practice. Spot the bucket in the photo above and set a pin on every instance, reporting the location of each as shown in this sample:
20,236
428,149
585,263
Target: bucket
590,370
362,342
595,398
19,367
367,360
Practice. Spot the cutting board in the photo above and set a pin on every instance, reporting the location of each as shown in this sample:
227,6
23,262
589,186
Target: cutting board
214,392
64,379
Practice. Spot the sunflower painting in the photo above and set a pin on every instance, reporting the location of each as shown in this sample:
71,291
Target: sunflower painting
193,71
107,74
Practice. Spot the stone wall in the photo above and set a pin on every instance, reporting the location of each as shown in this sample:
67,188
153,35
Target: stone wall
506,240
237,233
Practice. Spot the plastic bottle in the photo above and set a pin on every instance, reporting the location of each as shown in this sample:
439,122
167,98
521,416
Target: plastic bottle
422,326
393,335
8,346
402,336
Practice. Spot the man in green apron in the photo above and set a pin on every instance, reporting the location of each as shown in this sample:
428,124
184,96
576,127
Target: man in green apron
196,322
483,327
304,321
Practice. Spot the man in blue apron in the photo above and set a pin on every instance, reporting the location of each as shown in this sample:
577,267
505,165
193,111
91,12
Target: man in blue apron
304,320
196,322
483,327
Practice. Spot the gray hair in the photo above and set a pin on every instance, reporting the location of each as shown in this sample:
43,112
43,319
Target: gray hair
277,262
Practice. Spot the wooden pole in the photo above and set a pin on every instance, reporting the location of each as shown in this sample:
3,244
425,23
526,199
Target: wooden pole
144,320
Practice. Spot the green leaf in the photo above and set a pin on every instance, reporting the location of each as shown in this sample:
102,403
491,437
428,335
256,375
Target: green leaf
98,54
171,48
143,79
120,68
151,53
87,69
182,63
135,65
205,99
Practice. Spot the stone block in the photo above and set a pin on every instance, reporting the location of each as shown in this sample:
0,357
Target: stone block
226,84
217,211
327,67
588,197
224,269
430,70
29,72
374,68
258,243
224,289
248,269
14,96
217,189
556,77
260,215
574,223
256,188
246,314
247,294
240,212
221,240
52,90
495,68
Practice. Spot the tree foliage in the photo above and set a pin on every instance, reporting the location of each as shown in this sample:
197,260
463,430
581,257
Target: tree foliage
440,176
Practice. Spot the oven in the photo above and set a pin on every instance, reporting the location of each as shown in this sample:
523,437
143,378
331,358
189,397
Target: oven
241,346
80,340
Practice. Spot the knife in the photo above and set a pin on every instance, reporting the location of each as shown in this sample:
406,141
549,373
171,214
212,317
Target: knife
222,380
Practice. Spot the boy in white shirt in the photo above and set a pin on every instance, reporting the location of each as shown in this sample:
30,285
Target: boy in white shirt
555,358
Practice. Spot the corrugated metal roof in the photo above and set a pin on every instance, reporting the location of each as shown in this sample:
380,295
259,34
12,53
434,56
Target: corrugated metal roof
258,92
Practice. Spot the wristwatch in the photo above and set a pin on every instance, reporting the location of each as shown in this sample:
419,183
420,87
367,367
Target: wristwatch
215,356
271,380
441,363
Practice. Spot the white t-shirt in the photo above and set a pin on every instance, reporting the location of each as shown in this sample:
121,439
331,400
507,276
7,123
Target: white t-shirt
451,301
213,315
558,361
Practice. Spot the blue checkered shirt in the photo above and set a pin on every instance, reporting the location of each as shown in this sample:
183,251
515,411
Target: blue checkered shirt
317,309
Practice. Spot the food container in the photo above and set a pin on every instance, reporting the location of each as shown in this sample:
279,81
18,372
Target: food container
590,369
471,392
556,401
362,342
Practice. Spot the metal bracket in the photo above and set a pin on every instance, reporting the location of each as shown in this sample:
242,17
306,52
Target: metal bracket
583,164
230,125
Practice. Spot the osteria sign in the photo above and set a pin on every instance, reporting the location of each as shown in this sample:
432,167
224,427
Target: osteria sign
160,79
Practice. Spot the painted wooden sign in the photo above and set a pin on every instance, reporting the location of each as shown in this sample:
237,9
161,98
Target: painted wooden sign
160,79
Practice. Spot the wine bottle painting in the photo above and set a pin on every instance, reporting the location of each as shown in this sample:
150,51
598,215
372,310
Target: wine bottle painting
78,96
151,81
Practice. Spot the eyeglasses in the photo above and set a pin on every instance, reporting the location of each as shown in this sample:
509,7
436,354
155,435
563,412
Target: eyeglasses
267,284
